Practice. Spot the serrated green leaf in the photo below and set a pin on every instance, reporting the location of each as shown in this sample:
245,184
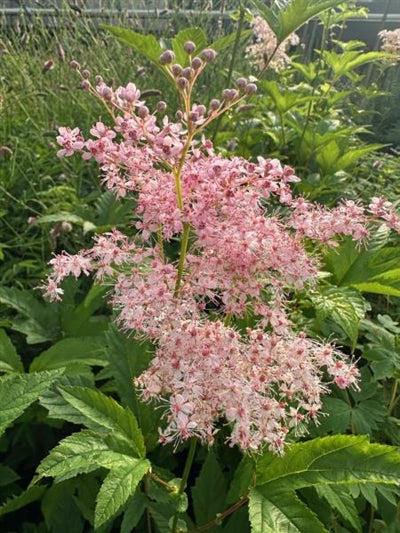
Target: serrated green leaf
10,361
146,45
118,486
196,35
338,416
339,499
133,512
68,352
286,16
59,408
21,500
281,511
75,321
338,459
17,392
209,498
242,479
60,510
81,453
103,414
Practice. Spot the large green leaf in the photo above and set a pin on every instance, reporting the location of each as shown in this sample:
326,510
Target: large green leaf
38,321
339,499
17,392
103,414
286,16
128,358
21,500
375,269
69,352
81,453
118,486
10,361
209,498
281,511
146,45
338,460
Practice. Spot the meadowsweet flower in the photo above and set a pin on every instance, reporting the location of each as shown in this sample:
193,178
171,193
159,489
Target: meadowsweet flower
244,247
391,44
264,51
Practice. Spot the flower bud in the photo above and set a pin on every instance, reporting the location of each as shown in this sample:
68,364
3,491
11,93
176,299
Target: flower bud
176,70
143,111
86,74
193,116
182,82
214,104
208,55
98,79
241,83
196,63
85,84
74,65
188,73
167,57
179,114
106,92
48,65
251,88
161,106
189,47
201,109
229,94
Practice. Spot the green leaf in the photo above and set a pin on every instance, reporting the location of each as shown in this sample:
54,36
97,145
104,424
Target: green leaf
68,352
7,475
228,40
242,479
81,453
338,416
286,16
17,392
195,35
40,322
60,510
133,512
375,269
103,414
146,45
339,499
75,321
338,459
345,306
21,500
281,511
10,361
209,491
128,358
118,486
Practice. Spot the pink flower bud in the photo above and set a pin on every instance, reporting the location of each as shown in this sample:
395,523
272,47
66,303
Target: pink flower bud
74,65
196,63
251,88
189,47
143,111
241,83
188,73
48,65
214,104
161,106
182,82
176,70
98,79
86,74
85,84
209,55
166,57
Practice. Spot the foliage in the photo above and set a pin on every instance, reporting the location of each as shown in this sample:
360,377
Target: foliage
80,448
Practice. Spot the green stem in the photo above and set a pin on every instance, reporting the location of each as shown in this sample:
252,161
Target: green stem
182,256
393,398
185,476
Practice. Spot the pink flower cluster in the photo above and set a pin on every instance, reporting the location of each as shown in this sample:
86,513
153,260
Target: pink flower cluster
391,44
264,50
243,243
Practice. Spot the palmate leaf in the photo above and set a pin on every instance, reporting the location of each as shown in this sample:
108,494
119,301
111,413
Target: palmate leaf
118,486
337,460
375,269
339,499
286,16
103,414
17,392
